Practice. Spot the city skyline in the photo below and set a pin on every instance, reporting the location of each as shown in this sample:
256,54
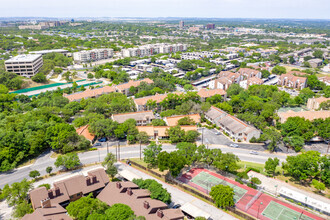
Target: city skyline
296,9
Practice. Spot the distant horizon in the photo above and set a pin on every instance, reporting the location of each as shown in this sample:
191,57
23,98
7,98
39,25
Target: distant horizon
249,9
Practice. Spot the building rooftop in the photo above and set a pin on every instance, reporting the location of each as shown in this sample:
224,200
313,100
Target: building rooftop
309,115
138,116
206,93
162,130
24,58
173,120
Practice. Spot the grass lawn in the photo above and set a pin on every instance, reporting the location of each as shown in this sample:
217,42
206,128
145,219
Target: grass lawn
141,162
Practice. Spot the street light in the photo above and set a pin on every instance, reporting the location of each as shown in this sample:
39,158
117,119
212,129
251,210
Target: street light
276,190
259,209
140,149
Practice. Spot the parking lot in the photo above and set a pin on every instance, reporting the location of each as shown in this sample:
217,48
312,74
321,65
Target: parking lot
212,136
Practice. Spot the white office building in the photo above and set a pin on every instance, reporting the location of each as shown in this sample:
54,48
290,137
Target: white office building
26,65
92,55
150,49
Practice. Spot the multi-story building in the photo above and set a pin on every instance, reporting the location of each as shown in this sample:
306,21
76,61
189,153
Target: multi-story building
181,24
234,127
151,49
25,65
43,52
142,118
210,26
92,55
292,81
314,103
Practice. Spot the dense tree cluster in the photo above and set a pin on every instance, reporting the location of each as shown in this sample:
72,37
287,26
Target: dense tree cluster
156,189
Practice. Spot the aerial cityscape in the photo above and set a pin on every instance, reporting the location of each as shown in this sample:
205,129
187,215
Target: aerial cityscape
174,110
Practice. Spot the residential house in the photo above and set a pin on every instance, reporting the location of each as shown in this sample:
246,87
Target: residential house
48,211
207,93
315,62
248,73
141,103
251,81
314,103
325,79
89,93
83,131
70,189
124,88
142,118
139,201
160,132
309,115
234,127
295,82
173,120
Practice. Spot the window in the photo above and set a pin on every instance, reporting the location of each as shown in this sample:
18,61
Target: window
78,194
240,134
71,197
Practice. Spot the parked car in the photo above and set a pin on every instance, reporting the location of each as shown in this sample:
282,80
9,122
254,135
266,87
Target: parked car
234,145
217,132
254,152
97,144
102,139
176,206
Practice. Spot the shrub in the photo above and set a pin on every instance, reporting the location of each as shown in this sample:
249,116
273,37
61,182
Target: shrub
239,180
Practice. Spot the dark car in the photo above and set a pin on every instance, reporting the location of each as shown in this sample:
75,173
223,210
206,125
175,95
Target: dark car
176,206
97,144
102,139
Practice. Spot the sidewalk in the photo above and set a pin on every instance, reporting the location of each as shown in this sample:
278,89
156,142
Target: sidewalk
179,196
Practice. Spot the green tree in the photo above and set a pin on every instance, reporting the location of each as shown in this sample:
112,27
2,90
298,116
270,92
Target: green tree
318,54
186,121
176,134
318,185
150,153
188,87
109,160
234,89
296,142
278,70
39,78
90,76
187,150
17,192
85,206
265,73
68,161
142,137
271,164
305,94
255,181
49,169
176,163
156,189
22,209
34,174
119,212
304,166
227,162
223,196
158,122
111,171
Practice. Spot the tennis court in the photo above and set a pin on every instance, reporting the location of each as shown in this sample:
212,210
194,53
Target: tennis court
276,211
207,181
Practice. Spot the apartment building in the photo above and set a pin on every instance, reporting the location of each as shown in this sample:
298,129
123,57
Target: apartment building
308,115
141,103
142,118
151,49
139,201
48,204
174,120
234,127
92,55
43,52
207,93
295,82
251,81
26,65
94,93
314,103
225,79
160,132
248,73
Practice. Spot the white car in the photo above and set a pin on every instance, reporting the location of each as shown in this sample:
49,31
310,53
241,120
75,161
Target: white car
234,145
254,152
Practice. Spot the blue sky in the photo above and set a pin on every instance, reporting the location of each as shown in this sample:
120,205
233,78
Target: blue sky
319,9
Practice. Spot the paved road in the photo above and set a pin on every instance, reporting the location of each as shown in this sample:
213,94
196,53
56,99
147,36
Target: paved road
125,152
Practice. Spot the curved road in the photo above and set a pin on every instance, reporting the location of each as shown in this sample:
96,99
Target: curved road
89,157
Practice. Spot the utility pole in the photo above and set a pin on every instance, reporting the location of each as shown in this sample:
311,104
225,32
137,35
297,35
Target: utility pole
107,148
202,135
116,153
140,150
118,150
99,155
